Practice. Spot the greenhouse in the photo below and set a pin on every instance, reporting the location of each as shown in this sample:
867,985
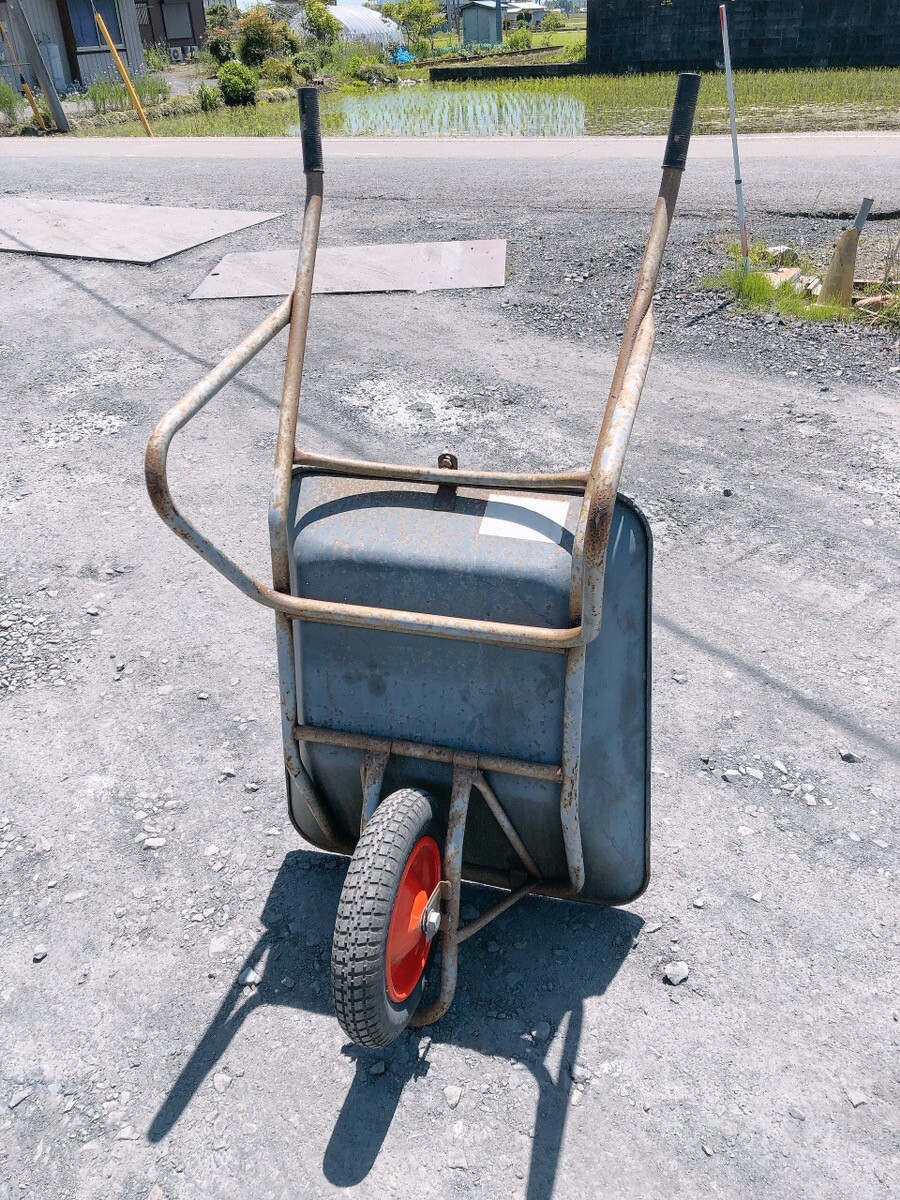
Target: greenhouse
360,24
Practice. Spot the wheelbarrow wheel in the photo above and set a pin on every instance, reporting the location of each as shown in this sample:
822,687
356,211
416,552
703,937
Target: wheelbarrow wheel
380,950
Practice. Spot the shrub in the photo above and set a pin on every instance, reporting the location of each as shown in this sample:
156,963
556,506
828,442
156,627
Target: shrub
421,48
375,73
156,58
278,71
220,46
519,39
257,37
552,21
237,84
306,65
10,101
210,97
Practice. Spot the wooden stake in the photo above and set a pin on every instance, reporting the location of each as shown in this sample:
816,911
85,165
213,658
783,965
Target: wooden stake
837,287
123,72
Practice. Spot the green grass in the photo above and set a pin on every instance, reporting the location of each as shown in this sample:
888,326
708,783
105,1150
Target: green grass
767,101
891,314
753,291
260,120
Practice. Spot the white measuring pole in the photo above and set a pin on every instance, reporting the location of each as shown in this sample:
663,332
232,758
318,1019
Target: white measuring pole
738,182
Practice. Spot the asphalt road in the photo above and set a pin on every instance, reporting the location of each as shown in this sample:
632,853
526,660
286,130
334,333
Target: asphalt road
784,173
140,701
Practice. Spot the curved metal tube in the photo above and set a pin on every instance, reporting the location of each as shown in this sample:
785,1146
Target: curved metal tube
595,519
155,459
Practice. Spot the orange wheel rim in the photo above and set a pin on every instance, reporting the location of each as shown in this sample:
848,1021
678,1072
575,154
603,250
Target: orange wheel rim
407,946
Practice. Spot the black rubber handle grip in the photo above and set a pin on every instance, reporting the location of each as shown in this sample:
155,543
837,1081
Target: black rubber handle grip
682,120
310,129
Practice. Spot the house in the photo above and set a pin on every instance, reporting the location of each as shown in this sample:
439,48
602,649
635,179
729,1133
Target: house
479,21
526,14
479,18
179,25
70,42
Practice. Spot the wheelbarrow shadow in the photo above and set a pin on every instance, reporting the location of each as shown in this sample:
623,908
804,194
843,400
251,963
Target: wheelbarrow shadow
562,953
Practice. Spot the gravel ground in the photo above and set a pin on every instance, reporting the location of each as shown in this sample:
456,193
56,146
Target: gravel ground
701,321
146,859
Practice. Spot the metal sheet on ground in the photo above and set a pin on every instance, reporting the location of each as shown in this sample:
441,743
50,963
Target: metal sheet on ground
409,267
134,233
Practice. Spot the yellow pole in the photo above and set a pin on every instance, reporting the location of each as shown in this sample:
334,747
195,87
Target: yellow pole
29,94
121,68
34,108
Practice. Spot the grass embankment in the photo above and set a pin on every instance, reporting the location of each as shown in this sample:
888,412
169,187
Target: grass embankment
767,101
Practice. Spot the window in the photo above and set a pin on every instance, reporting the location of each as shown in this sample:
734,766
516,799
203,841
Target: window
87,32
177,20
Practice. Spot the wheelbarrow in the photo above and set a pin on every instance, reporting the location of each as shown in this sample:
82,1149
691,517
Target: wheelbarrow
464,659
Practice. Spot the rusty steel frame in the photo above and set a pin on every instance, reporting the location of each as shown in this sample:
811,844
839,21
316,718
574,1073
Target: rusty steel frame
598,487
445,754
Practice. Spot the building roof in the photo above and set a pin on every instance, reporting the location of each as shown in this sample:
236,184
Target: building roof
360,24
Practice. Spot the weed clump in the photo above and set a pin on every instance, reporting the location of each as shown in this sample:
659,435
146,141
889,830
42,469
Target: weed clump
752,290
10,101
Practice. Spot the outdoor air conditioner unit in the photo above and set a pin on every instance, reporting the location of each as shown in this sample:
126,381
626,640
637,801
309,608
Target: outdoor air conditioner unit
176,54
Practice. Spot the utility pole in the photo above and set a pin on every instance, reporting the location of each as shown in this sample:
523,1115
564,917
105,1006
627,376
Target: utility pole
37,64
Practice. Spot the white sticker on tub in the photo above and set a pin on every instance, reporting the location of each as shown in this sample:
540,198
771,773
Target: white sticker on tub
525,517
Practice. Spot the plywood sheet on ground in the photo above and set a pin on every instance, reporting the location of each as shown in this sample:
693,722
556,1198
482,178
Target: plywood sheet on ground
137,233
406,267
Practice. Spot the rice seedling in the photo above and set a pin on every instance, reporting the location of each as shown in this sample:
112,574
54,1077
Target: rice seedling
475,113
767,101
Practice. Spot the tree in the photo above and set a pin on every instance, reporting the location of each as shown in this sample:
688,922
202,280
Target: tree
220,16
320,23
552,21
417,18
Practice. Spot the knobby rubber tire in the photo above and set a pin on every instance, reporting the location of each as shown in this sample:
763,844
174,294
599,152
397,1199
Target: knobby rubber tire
359,953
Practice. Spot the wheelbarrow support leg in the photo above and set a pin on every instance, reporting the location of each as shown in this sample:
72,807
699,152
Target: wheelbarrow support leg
463,781
372,772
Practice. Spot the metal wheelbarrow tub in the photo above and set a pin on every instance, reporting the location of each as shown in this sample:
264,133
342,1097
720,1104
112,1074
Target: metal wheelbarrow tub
443,634
490,559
